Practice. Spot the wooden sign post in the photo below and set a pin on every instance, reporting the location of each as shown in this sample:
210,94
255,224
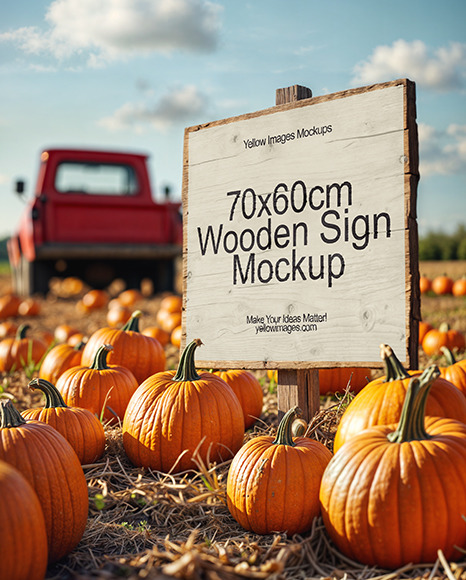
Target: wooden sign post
300,236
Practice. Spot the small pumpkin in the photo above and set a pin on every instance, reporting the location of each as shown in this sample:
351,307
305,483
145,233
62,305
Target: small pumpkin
51,466
425,284
130,297
171,303
63,332
442,285
158,333
175,336
273,483
455,371
381,401
436,338
424,328
102,388
336,380
58,359
168,320
9,304
79,426
95,299
396,494
459,287
176,417
29,307
8,328
23,548
248,390
143,355
20,351
118,315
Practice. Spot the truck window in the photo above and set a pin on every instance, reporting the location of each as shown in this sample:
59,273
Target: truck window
95,178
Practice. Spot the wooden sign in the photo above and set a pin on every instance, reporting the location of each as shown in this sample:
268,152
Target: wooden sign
300,237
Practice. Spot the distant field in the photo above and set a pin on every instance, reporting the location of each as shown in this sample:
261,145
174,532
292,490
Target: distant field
453,268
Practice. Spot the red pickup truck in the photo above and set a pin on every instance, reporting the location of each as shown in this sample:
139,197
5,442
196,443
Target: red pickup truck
93,216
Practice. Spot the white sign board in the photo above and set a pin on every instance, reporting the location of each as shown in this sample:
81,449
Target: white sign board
295,233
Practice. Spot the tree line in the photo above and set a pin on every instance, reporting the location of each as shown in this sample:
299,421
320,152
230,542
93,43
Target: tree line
442,246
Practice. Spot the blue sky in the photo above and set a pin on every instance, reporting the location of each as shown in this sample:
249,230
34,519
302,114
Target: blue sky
132,74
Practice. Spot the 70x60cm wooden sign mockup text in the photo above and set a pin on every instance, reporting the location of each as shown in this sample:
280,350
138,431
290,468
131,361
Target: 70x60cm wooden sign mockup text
295,232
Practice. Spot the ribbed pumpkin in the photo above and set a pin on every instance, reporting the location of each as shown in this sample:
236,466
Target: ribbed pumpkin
59,359
336,380
273,483
173,416
79,426
23,545
436,338
381,401
394,495
100,387
455,371
9,305
248,390
143,355
19,351
158,333
51,466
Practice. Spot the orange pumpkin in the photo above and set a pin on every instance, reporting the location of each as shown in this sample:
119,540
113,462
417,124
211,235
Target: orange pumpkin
336,380
175,336
79,426
425,284
381,401
248,390
396,494
29,307
8,328
424,328
9,304
118,315
102,388
171,303
173,418
23,549
51,466
158,333
455,371
20,351
459,287
63,332
168,320
95,299
273,483
442,285
143,355
60,358
436,338
130,297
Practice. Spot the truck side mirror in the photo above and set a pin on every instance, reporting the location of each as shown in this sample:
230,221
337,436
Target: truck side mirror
20,186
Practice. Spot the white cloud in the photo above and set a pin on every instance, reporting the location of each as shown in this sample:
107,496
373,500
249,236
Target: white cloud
183,105
108,29
442,152
443,69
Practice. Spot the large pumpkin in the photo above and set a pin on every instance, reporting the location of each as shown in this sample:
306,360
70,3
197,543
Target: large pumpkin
394,495
79,426
381,401
23,545
143,355
102,388
273,483
173,418
248,390
51,466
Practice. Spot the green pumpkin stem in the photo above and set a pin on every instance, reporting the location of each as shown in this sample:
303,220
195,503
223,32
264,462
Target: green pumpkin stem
9,415
53,397
133,322
100,359
284,433
187,368
394,370
449,356
22,330
411,426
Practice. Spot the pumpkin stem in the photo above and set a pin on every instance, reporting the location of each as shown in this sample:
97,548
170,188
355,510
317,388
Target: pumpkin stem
53,397
133,322
100,359
9,415
412,420
186,368
284,434
21,332
394,370
450,357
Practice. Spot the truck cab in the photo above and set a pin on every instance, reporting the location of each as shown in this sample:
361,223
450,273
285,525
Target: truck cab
93,216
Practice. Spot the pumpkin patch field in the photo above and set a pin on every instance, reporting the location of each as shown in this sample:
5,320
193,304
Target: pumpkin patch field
119,458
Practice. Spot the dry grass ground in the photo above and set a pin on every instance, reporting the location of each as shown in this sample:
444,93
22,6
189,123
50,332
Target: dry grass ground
151,525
